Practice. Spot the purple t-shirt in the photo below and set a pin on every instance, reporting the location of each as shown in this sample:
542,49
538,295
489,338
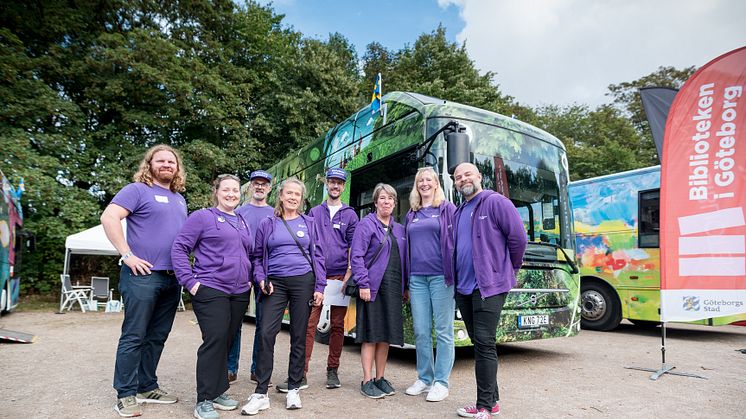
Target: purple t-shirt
466,278
285,259
156,216
253,215
424,242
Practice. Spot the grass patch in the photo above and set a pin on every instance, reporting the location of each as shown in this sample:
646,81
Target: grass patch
37,303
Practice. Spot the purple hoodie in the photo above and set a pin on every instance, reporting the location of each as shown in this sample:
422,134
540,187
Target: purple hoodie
368,235
447,211
260,255
221,252
498,241
335,235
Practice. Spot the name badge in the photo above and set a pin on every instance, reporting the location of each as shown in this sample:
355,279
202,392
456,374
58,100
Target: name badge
337,226
161,198
300,234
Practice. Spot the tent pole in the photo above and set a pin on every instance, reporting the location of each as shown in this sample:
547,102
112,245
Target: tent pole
665,368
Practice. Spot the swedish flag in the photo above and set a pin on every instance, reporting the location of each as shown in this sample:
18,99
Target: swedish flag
376,103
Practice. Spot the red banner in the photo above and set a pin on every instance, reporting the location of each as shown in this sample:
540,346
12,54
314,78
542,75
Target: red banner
703,194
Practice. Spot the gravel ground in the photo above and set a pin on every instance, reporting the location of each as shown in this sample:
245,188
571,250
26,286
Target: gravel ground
67,373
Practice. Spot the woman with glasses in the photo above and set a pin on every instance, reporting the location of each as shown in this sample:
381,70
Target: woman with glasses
429,224
289,269
219,283
377,256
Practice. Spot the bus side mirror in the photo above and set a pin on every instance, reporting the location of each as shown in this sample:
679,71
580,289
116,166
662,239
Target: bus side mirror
459,150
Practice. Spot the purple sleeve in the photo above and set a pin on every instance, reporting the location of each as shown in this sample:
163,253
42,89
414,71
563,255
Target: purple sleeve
257,255
128,197
508,220
360,244
319,261
407,256
183,246
352,222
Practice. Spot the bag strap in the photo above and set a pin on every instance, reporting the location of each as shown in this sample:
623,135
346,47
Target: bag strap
380,247
297,242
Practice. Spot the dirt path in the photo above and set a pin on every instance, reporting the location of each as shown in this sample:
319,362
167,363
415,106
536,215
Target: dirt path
67,374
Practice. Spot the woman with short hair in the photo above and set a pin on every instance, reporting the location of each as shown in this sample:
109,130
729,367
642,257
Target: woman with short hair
429,224
219,283
378,265
289,269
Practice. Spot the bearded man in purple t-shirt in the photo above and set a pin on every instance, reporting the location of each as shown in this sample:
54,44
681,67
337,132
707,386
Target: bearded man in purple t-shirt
155,212
490,242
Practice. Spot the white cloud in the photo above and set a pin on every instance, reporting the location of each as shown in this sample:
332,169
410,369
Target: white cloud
551,51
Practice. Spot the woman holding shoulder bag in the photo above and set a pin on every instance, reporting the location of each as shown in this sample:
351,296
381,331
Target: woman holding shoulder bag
289,269
377,257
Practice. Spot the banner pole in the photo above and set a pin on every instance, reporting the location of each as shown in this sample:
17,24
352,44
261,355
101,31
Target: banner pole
665,368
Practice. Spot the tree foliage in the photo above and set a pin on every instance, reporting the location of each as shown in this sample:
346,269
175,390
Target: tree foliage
86,87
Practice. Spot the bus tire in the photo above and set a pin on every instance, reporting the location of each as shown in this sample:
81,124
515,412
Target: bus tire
600,307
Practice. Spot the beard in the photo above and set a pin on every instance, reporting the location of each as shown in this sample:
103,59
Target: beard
258,196
334,194
468,189
163,176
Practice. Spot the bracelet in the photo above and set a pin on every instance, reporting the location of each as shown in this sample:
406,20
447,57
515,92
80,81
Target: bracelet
125,256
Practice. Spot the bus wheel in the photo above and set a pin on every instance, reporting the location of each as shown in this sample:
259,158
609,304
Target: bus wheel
601,309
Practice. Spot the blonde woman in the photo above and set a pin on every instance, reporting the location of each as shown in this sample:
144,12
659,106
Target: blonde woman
289,269
429,223
378,256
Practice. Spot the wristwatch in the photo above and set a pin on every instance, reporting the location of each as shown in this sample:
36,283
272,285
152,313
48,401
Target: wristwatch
125,256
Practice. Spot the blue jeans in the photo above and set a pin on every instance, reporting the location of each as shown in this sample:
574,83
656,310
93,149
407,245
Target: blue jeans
235,351
257,329
432,304
150,303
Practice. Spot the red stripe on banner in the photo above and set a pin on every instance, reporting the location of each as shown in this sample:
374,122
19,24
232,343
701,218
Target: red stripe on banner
703,180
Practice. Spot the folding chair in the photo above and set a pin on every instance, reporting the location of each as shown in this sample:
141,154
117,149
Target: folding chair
72,294
100,290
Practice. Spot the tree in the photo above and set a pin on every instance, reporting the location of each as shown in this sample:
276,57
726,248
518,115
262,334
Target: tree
626,97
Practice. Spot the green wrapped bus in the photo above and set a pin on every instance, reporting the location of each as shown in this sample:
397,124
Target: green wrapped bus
522,162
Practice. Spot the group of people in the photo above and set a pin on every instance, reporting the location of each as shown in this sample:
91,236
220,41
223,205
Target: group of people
441,258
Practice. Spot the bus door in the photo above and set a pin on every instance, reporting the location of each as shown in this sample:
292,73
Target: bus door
397,170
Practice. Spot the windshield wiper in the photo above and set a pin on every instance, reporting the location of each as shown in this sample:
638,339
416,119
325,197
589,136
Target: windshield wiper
556,246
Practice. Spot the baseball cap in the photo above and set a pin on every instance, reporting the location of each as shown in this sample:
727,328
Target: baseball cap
336,173
260,174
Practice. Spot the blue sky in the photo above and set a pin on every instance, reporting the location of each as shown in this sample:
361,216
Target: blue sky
390,23
542,51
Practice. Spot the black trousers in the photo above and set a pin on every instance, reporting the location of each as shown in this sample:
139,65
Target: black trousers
219,315
295,292
481,316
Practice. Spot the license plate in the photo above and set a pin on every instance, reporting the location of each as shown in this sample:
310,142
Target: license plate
536,320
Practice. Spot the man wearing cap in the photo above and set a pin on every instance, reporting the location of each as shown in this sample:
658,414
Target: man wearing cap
260,183
336,222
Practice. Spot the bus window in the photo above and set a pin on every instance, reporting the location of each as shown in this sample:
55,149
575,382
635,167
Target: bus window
649,226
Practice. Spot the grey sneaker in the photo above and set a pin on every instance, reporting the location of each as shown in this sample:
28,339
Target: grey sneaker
223,402
127,407
370,389
385,386
283,387
332,379
204,410
156,395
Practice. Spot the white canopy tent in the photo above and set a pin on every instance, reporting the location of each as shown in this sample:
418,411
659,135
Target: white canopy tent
92,241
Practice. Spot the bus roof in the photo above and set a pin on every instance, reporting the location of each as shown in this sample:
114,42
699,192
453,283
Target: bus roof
432,107
619,175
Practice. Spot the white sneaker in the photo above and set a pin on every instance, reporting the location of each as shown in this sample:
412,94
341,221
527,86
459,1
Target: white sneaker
293,399
257,402
437,393
417,388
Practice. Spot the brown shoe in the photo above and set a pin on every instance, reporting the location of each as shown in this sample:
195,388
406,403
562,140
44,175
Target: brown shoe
232,377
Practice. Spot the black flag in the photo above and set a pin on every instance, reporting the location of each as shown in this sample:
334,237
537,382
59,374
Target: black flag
656,101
